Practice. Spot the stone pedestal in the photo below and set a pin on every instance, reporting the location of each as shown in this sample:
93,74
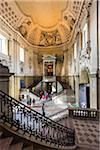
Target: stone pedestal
11,86
93,91
65,64
16,87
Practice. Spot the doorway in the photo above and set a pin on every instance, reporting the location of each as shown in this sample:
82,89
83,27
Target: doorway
84,95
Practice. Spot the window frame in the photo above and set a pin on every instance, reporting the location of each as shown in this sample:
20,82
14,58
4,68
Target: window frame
4,45
22,54
84,35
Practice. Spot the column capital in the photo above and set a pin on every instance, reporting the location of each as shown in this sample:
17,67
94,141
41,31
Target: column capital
93,75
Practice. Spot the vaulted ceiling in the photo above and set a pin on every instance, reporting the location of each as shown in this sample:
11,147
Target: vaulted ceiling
43,23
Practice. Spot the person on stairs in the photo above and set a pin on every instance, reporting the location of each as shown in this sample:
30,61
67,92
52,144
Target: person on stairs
43,110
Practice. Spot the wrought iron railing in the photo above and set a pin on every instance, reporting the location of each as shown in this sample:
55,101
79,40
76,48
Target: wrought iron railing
83,113
35,81
29,121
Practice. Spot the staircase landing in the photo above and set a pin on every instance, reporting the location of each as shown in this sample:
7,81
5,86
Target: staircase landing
87,132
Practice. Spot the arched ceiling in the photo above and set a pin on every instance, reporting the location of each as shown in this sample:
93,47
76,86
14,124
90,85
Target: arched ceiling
42,22
44,13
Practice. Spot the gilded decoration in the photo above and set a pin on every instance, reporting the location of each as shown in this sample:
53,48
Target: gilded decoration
42,23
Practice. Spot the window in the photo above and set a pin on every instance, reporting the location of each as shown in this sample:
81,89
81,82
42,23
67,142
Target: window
21,54
84,36
22,84
3,45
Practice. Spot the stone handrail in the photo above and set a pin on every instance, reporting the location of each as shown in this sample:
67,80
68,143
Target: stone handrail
83,113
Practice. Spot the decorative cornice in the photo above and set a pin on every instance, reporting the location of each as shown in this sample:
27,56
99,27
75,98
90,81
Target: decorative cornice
17,35
84,10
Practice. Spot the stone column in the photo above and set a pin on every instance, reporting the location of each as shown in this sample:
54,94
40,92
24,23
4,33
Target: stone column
11,55
26,63
65,64
88,49
77,89
54,72
98,88
16,87
93,91
93,55
76,71
36,65
17,68
11,65
11,86
43,68
98,49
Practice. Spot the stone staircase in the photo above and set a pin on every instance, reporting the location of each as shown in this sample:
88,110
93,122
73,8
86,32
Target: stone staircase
10,142
87,132
22,127
28,130
87,136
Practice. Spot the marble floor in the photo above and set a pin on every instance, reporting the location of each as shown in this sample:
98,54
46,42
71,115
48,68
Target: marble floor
87,132
57,104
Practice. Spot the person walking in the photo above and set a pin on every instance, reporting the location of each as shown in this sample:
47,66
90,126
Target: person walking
43,110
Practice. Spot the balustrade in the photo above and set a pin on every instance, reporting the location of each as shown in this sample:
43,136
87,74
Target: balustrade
32,122
84,113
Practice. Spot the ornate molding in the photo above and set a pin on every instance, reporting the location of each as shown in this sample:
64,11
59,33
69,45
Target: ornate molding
84,57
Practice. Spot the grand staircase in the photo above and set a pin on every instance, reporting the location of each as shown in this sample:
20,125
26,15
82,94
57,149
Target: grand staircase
22,128
29,124
35,81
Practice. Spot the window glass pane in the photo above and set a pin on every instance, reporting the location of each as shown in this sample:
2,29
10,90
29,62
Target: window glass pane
22,84
3,45
84,35
21,54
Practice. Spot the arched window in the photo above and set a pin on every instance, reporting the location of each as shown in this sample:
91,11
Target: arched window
84,36
3,45
21,54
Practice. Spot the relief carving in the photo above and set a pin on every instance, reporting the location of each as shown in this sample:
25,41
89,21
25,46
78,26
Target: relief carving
50,38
